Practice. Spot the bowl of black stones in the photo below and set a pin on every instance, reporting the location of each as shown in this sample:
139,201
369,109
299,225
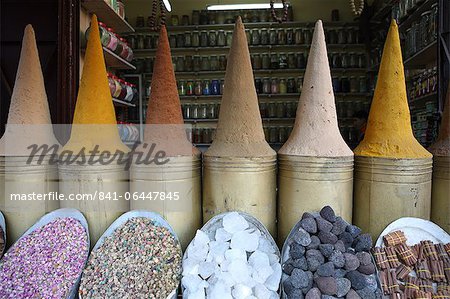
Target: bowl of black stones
325,257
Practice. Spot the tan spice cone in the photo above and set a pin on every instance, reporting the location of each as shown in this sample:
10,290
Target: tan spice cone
315,164
239,130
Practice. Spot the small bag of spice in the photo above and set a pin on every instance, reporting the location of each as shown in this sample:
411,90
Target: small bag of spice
394,238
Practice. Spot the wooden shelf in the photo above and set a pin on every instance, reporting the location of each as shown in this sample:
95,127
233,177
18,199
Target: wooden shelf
251,25
414,16
254,49
107,15
386,7
123,103
115,61
423,57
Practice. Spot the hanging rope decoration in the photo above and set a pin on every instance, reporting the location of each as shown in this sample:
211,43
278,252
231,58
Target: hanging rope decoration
153,16
274,14
357,10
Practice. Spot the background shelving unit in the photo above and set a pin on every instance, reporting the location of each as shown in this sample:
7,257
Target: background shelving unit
346,121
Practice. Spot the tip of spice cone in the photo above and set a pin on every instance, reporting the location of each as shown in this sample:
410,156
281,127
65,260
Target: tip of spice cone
442,145
239,129
316,131
29,105
94,102
164,106
389,133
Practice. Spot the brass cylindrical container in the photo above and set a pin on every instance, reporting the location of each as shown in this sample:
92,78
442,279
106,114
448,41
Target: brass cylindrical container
440,193
387,189
310,183
19,180
98,191
240,184
179,181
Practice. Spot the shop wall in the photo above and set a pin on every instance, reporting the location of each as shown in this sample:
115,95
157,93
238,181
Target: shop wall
304,10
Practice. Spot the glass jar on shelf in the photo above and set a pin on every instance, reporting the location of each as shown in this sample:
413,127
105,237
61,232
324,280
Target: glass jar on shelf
123,90
291,63
274,61
282,136
291,88
273,37
188,63
336,84
112,45
205,65
179,64
425,33
275,86
281,36
148,41
211,111
290,112
265,61
354,86
182,88
271,110
362,60
220,17
307,36
273,135
187,111
140,21
298,37
195,17
214,63
118,89
112,84
345,84
222,62
221,38
342,36
203,112
290,39
281,110
266,86
198,88
206,88
229,38
282,61
204,39
363,84
215,87
256,37
195,42
212,39
174,20
194,111
299,84
190,88
345,60
354,60
258,85
248,35
263,109
125,49
332,37
434,21
283,86
264,37
187,39
257,62
185,20
301,60
351,36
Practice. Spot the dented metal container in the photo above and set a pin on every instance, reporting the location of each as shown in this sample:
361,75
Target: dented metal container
386,189
240,184
440,193
98,191
310,183
21,186
172,190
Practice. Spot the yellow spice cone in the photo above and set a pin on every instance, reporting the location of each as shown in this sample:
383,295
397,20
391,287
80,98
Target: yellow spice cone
389,133
239,129
29,105
94,121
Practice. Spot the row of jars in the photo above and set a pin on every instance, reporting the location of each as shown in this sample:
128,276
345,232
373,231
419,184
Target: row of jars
424,83
200,87
113,42
122,90
255,37
422,32
117,6
128,132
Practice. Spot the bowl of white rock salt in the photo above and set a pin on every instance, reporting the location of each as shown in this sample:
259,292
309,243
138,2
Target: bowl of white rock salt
232,256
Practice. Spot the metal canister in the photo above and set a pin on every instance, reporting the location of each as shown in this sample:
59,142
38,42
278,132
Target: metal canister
241,184
440,195
309,183
403,185
107,181
180,178
19,177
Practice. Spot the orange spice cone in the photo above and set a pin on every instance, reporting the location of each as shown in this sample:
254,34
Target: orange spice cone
440,195
240,167
391,168
181,175
315,164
